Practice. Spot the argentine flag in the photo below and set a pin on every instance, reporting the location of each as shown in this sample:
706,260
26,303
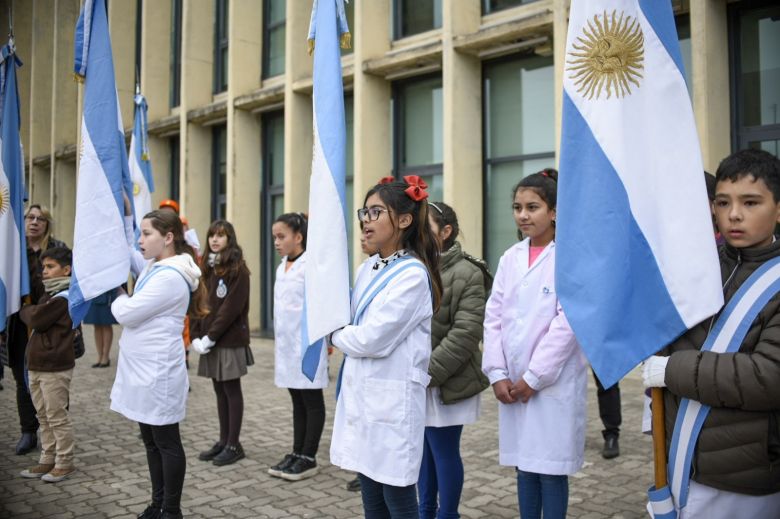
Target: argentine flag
101,260
326,285
14,274
140,166
637,263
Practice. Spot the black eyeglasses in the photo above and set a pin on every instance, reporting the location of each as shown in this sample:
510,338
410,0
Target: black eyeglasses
370,214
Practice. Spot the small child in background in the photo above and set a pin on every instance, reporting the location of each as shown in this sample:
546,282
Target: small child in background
50,363
533,360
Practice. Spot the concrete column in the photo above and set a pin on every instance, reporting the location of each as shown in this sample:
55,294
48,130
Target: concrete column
372,94
196,90
560,29
64,198
711,101
156,32
462,121
243,141
297,109
121,26
41,64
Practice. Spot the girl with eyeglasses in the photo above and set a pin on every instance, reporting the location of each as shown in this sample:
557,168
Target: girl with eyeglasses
380,412
289,232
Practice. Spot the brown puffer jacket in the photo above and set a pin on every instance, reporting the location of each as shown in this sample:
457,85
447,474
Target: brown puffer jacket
738,449
51,344
456,329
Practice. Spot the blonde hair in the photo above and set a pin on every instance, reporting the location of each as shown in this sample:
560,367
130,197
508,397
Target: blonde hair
46,214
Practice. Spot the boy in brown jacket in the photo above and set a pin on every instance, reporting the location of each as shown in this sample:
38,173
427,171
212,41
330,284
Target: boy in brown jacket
735,470
50,363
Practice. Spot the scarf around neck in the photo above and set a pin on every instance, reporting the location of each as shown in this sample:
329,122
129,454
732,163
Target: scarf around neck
56,285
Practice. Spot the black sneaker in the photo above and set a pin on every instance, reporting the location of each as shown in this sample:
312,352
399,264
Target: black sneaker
277,469
212,452
611,448
354,485
301,468
230,454
151,512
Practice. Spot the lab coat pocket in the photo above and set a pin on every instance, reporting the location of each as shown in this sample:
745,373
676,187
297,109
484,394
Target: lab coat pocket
384,401
142,368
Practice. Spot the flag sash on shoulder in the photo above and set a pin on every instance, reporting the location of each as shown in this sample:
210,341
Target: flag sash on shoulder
726,336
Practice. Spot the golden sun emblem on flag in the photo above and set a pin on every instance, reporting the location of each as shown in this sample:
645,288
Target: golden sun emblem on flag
136,189
608,57
5,199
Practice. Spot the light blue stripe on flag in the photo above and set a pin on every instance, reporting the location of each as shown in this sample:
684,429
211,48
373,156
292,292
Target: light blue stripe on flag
636,262
101,259
14,273
139,163
326,295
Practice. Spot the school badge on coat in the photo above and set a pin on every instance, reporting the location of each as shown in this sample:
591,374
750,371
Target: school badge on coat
221,289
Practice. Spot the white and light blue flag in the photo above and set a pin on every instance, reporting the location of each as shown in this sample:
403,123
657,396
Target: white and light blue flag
101,260
14,274
637,263
326,287
140,166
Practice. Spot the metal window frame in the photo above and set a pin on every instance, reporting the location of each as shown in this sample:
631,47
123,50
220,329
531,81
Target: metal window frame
218,198
742,135
221,43
399,150
174,148
267,29
176,37
398,11
269,191
487,9
507,159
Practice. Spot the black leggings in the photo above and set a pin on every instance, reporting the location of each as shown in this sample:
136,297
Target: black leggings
167,464
308,420
230,408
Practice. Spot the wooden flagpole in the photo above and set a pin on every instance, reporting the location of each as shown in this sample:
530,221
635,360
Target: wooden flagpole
659,437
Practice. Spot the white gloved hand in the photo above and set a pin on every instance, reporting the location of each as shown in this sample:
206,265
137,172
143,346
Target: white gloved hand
207,343
197,345
654,371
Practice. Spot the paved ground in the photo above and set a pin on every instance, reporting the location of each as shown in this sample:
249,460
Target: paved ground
112,480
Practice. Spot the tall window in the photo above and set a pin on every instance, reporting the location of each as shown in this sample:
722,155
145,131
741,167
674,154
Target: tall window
274,18
176,10
173,167
221,46
491,6
684,37
219,172
755,41
415,16
273,204
417,121
519,139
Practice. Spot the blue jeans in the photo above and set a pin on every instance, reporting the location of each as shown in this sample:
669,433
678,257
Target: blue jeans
382,501
441,473
541,492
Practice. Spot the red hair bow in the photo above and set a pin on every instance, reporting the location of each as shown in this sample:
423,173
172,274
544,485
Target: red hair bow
387,180
416,189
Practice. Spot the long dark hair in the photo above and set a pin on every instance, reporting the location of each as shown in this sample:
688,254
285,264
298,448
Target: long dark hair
418,238
165,222
231,258
444,215
297,222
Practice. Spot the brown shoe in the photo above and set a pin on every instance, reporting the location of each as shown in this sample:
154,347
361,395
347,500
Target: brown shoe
57,475
37,471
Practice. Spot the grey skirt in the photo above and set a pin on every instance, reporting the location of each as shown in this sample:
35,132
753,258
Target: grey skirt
225,363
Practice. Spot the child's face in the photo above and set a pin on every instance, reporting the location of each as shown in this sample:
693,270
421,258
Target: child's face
286,241
746,212
533,217
52,269
218,242
381,235
152,242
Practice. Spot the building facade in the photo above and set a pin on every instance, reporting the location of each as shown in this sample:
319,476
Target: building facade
466,93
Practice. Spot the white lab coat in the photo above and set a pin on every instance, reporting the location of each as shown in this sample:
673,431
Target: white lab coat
527,335
288,349
151,379
379,424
